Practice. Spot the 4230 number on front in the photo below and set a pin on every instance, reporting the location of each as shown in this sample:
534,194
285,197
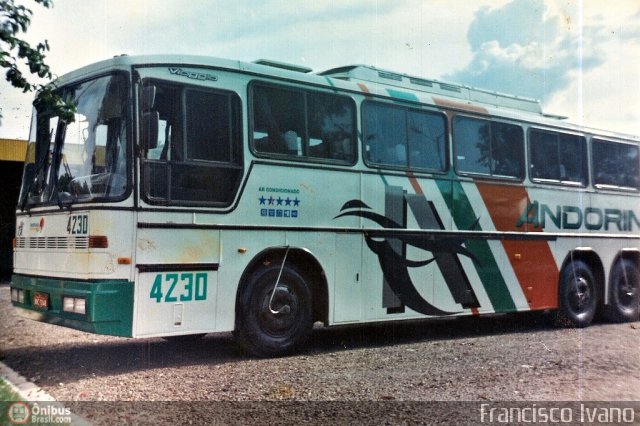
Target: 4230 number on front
179,287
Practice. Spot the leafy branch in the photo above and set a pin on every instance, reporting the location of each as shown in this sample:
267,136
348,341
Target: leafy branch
15,51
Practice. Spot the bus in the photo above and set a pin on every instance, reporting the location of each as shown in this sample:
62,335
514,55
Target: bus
195,195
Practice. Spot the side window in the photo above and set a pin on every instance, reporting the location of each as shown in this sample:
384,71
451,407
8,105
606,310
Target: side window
558,157
385,135
426,140
615,164
209,132
402,137
303,125
196,158
278,120
330,126
488,147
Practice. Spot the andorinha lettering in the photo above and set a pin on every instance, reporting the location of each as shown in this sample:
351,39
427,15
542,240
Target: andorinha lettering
571,217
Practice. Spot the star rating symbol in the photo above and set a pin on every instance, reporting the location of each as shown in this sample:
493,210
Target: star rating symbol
289,202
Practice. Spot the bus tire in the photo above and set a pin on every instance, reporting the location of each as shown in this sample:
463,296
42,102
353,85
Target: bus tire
578,295
264,330
624,292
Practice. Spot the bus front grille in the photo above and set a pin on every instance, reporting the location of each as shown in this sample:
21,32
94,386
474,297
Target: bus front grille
77,243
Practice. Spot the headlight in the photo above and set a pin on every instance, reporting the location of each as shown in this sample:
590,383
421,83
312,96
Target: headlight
75,305
17,295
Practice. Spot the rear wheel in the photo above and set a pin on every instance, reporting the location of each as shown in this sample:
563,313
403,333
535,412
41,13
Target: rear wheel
274,322
624,292
578,295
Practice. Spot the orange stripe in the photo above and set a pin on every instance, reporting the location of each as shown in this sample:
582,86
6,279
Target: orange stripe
448,103
364,88
415,184
532,261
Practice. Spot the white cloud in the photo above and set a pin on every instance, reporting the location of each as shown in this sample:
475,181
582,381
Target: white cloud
567,54
523,47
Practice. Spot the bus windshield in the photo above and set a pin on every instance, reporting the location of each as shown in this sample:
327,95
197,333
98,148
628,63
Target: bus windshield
81,160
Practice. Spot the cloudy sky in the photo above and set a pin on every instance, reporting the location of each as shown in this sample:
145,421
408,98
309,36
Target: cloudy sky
580,58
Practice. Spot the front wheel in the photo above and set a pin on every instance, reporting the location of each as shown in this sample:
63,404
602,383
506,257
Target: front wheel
578,295
624,292
274,322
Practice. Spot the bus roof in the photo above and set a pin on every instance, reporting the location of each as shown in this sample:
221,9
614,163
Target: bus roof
347,78
419,84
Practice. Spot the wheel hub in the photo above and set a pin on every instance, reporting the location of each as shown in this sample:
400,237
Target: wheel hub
581,293
279,316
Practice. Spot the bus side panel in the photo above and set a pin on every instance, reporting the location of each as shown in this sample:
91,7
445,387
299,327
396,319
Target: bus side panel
287,204
176,281
348,291
544,213
528,264
239,249
175,302
408,276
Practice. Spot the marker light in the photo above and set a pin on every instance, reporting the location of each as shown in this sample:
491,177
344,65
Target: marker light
75,305
98,241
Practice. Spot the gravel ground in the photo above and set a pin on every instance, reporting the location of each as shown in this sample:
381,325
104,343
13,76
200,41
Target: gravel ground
512,358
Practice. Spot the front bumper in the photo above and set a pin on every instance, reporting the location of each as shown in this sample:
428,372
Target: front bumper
109,303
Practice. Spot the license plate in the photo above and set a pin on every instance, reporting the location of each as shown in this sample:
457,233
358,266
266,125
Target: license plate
41,300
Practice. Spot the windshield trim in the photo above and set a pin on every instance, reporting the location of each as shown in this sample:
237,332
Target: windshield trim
54,200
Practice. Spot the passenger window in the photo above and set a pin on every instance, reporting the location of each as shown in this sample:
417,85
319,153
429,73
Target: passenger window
558,157
426,140
278,120
330,123
385,135
303,125
402,137
488,147
615,164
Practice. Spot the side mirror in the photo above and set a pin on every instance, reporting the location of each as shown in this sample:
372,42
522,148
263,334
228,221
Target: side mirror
149,131
148,98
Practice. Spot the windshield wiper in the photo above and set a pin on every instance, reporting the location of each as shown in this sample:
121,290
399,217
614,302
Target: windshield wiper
67,170
26,197
23,202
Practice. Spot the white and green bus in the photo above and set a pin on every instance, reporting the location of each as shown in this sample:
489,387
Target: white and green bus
195,195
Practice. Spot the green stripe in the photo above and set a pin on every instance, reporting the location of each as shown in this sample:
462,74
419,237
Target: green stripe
109,303
488,270
405,96
330,81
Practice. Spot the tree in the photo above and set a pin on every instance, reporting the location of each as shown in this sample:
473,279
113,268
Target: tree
14,51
